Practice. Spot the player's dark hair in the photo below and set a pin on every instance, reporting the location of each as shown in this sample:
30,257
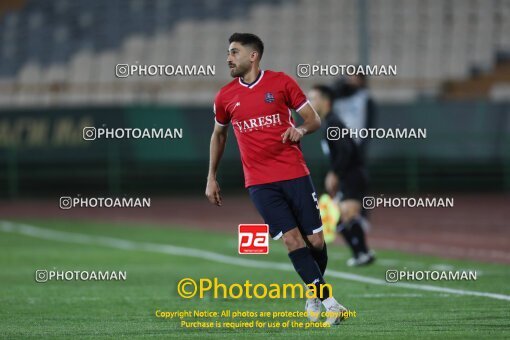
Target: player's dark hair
325,91
248,39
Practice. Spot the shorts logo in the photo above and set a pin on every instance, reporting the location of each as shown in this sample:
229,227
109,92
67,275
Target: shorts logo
314,196
253,239
269,97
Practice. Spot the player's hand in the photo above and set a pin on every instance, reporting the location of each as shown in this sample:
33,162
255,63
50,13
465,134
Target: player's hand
293,134
213,193
331,183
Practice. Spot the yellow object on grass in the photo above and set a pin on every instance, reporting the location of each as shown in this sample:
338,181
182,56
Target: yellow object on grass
330,214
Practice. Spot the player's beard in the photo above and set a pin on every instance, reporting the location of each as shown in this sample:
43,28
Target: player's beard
239,70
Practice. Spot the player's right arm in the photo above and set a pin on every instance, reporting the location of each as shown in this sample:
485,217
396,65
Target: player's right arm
218,142
217,147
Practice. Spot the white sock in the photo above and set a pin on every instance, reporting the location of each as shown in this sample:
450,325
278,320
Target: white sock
329,302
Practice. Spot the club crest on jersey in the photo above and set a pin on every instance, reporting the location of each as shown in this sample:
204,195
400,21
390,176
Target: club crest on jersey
269,97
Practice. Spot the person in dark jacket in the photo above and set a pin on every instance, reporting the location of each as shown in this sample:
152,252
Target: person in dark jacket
354,106
346,181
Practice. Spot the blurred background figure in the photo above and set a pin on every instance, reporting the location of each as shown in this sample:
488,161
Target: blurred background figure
346,180
354,106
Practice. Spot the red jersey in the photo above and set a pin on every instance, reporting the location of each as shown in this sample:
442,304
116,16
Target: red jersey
260,113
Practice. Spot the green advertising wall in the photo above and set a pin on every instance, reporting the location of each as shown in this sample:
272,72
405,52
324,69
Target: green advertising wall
42,151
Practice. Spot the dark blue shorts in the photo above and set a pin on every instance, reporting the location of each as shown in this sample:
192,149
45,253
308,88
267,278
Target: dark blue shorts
285,205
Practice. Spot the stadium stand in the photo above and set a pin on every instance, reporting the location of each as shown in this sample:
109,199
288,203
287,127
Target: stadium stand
64,52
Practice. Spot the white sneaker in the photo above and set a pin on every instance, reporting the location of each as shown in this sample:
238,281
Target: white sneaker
313,309
335,311
362,259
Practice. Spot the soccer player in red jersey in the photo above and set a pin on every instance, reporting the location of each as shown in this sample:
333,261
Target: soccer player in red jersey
258,104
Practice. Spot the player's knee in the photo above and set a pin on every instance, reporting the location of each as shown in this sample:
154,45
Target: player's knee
350,210
347,216
293,240
316,241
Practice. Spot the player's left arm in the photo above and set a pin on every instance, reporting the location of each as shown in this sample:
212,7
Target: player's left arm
311,123
296,99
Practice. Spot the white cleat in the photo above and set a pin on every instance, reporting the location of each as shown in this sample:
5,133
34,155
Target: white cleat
361,260
335,312
313,309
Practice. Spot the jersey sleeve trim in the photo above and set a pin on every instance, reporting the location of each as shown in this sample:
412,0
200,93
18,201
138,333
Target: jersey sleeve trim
220,124
303,105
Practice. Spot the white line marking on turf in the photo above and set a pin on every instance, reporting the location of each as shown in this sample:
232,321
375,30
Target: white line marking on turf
406,263
388,262
442,266
387,295
68,237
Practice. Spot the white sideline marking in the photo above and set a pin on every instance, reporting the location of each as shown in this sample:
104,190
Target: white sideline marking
394,262
370,296
442,266
68,237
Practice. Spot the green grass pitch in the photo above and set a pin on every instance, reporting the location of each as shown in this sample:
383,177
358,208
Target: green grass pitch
115,309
